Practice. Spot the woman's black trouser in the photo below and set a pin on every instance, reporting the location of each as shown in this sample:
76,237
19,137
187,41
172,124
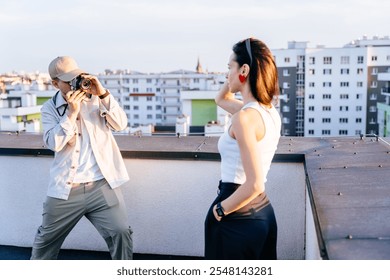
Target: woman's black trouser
247,236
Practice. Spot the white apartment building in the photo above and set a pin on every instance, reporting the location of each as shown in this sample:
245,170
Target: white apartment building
335,91
19,112
155,98
21,97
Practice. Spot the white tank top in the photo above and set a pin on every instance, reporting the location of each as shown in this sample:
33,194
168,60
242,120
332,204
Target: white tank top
231,165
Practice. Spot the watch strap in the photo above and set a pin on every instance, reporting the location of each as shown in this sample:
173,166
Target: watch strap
107,93
219,210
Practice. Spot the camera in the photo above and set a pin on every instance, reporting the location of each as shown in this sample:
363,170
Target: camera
80,83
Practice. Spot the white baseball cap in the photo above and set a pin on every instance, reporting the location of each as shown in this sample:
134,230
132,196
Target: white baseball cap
64,68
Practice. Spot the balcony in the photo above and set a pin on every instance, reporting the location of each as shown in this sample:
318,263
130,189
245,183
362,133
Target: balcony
385,91
331,195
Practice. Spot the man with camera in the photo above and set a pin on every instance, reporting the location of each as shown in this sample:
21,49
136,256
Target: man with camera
88,168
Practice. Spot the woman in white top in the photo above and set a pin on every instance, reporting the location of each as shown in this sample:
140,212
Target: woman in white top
241,223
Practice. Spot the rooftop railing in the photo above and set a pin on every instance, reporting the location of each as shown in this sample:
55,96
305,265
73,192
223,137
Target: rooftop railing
329,195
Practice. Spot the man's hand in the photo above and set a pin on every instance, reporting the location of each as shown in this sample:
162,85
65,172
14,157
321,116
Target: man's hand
74,99
96,87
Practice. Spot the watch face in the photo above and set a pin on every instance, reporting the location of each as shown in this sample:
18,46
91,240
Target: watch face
220,212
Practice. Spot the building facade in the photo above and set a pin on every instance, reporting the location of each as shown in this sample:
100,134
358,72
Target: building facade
156,98
334,91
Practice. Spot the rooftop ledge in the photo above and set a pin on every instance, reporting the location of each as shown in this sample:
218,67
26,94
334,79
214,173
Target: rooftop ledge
346,178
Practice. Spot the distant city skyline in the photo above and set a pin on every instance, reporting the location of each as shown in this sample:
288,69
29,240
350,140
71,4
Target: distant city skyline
162,36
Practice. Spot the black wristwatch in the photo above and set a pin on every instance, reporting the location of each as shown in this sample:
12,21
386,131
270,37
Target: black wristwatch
220,211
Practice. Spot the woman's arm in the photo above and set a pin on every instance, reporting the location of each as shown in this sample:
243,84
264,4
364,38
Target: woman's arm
247,133
226,100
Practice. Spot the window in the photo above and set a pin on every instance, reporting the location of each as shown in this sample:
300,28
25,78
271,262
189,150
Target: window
327,71
327,84
326,108
360,70
343,120
344,60
327,60
344,71
311,131
358,120
136,117
126,107
374,84
311,96
344,84
135,90
149,117
360,59
374,58
135,107
311,120
135,98
372,109
374,71
312,60
373,96
149,81
311,84
312,71
286,72
344,96
149,98
343,108
325,132
325,120
359,108
326,96
149,108
358,95
343,132
287,59
359,84
135,81
311,108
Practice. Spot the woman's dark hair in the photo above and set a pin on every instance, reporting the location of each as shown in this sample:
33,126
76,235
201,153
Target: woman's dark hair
263,74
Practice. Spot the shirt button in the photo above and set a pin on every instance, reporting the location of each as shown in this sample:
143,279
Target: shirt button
79,134
68,183
77,151
73,167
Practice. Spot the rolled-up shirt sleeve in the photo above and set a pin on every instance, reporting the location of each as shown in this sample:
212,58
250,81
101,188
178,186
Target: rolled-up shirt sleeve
116,118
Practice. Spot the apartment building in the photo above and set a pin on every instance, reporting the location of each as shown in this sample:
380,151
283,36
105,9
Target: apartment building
334,91
21,97
156,98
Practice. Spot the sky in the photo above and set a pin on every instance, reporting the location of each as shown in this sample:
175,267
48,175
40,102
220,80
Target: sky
167,35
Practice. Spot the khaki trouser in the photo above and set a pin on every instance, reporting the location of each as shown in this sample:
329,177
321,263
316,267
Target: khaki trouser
102,206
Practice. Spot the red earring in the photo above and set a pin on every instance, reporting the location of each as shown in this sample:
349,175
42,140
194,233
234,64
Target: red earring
242,78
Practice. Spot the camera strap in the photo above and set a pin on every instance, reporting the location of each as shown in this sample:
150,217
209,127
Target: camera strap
65,106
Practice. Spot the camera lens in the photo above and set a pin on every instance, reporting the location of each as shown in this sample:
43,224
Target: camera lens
85,84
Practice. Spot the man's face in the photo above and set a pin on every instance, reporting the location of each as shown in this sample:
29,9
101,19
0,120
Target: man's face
64,87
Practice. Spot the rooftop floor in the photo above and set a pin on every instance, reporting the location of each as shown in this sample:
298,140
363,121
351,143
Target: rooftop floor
347,181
